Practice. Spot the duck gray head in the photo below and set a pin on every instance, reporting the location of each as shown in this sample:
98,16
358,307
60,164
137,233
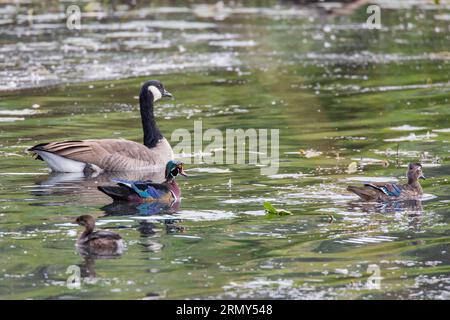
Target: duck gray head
414,172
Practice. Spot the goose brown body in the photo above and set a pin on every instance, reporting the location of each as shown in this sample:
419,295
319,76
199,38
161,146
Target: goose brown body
114,155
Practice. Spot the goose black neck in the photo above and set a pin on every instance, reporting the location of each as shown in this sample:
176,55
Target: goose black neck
151,132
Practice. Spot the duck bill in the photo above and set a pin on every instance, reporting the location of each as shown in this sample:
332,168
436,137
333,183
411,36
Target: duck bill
167,94
422,177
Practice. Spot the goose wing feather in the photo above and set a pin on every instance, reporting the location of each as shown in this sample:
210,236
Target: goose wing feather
110,154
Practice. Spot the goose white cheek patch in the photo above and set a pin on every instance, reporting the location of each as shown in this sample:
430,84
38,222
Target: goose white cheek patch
156,93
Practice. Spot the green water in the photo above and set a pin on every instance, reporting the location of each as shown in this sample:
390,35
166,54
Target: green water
338,93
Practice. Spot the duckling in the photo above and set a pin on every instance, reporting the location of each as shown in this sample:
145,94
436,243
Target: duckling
148,191
102,243
391,191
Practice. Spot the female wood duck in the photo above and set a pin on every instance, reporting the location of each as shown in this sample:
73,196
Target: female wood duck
103,243
391,191
148,191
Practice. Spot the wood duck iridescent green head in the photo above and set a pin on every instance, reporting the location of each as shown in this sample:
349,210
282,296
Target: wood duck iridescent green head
376,191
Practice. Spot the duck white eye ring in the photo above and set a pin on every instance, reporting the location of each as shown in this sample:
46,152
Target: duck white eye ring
155,92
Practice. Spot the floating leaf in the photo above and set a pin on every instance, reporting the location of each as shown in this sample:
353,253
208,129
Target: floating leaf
352,167
271,210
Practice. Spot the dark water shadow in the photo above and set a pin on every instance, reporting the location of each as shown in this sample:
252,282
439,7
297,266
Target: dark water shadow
80,183
411,207
412,210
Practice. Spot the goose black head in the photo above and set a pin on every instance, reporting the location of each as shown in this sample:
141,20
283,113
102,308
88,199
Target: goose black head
155,89
415,172
173,168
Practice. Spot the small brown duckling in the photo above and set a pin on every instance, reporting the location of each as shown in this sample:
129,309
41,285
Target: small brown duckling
102,243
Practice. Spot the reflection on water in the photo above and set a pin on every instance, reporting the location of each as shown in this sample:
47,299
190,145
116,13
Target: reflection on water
99,253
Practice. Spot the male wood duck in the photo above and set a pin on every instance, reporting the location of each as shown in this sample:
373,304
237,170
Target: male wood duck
148,191
101,243
391,191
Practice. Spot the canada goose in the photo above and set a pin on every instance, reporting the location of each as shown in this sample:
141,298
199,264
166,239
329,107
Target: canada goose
114,154
148,191
97,242
390,191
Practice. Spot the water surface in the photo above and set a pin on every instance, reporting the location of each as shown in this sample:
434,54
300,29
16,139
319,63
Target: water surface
338,92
